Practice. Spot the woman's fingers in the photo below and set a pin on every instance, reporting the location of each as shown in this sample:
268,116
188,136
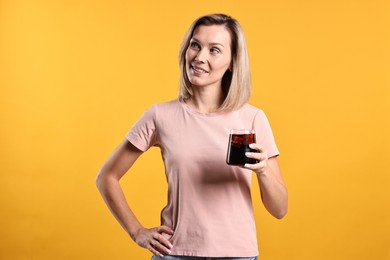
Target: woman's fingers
165,229
163,241
163,245
259,148
158,247
154,240
260,155
154,251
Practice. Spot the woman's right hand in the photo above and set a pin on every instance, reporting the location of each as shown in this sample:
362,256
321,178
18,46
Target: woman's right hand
155,239
120,161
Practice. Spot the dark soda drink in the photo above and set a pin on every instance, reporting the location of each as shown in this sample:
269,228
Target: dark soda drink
239,141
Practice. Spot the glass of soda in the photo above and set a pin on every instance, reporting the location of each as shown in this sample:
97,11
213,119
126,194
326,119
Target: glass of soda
239,141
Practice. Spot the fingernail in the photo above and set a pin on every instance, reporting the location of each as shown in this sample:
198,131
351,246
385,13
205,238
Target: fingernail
251,145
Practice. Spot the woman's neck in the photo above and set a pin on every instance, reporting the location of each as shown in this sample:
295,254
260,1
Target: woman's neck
206,100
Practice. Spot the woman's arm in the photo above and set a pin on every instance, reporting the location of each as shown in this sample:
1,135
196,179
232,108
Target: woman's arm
107,182
272,187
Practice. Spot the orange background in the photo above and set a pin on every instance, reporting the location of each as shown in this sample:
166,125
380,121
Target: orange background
76,75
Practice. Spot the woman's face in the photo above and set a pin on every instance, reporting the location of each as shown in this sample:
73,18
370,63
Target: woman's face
208,56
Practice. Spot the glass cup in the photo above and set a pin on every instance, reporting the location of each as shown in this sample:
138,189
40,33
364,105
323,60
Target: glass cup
239,141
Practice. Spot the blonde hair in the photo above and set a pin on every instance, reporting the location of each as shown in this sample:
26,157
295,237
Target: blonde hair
236,83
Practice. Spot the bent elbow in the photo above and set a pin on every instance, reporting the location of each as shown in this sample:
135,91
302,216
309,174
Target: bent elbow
280,214
99,180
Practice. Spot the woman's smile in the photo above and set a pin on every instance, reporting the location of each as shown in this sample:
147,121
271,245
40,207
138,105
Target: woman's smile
199,70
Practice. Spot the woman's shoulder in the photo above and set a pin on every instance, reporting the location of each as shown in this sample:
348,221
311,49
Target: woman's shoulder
165,108
171,104
252,113
251,109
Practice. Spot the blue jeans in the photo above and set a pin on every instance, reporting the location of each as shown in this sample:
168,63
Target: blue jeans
170,257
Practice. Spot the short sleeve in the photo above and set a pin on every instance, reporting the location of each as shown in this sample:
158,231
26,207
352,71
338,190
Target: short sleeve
264,135
143,134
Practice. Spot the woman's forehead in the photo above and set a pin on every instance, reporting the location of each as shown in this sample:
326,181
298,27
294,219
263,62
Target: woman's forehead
217,34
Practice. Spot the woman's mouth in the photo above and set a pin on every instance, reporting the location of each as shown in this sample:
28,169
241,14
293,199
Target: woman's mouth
199,70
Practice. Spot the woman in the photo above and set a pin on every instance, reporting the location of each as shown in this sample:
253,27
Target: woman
209,210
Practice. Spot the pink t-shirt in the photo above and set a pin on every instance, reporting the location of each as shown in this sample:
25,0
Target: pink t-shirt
209,202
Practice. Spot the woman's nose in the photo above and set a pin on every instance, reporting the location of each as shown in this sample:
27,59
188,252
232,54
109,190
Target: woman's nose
201,56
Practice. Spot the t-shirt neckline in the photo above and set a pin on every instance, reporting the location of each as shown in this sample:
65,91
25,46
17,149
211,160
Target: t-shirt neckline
193,111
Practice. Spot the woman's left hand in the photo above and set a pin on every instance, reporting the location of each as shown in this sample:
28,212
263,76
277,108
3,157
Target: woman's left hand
260,155
272,188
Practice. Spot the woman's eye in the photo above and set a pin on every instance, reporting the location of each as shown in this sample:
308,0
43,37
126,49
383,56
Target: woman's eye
194,45
214,50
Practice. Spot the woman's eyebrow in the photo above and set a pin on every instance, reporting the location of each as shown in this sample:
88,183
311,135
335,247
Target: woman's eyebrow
210,44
